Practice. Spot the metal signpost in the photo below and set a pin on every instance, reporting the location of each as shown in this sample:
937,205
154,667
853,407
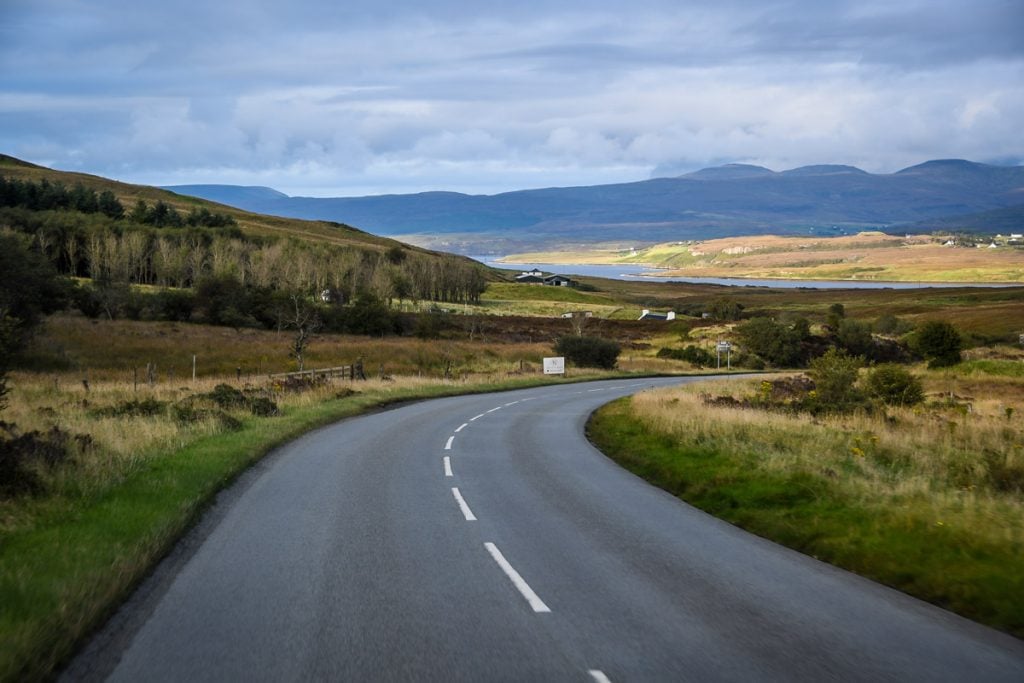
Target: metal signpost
554,366
726,348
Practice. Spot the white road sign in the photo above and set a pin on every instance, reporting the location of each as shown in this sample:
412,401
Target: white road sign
554,366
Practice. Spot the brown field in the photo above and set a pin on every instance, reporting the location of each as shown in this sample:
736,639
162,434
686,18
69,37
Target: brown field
75,348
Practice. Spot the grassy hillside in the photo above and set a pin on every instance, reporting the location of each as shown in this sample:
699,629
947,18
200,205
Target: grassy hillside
251,223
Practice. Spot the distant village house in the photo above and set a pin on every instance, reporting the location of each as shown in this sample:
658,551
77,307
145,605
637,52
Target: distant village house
558,281
537,277
647,315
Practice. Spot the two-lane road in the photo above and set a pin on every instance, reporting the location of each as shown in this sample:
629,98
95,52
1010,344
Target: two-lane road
482,538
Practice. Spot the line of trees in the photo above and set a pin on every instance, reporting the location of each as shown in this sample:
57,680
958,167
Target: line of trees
56,196
47,196
125,252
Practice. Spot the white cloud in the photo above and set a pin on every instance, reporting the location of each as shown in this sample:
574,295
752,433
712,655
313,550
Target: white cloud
355,97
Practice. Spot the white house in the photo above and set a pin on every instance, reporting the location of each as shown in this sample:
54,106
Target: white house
535,276
647,315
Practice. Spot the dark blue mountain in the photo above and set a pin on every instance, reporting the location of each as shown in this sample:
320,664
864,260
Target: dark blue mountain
735,199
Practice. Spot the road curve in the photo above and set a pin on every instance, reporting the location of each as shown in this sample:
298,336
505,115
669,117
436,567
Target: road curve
481,538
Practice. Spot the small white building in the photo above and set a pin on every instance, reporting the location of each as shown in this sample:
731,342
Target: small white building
647,315
535,276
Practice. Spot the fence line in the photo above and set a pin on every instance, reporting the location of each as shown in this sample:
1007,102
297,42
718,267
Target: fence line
353,372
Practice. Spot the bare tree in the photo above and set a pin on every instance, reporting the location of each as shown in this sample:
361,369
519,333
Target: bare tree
265,264
72,249
304,319
197,259
94,256
579,320
136,249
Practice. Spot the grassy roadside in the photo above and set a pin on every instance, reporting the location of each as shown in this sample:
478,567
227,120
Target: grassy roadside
69,559
944,524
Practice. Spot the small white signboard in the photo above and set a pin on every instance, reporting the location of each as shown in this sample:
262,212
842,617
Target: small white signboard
726,348
554,366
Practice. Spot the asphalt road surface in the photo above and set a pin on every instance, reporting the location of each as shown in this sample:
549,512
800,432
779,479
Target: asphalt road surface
481,538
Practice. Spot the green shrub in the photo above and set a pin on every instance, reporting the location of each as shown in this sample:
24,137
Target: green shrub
890,324
588,352
24,456
938,342
778,344
226,396
173,304
263,407
835,379
894,385
691,354
854,337
147,407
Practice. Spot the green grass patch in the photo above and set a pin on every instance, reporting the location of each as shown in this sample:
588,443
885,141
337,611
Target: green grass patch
1001,368
501,291
902,545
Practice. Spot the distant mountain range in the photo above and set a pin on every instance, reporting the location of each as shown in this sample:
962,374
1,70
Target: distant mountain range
735,199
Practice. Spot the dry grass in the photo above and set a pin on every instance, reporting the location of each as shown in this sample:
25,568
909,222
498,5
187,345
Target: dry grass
959,460
105,350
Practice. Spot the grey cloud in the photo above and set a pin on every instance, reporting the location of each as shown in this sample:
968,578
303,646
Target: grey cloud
399,95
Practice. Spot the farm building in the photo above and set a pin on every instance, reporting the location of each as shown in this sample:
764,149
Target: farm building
558,281
647,315
534,276
537,277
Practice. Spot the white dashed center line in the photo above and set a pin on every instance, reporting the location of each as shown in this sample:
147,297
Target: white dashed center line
524,588
447,466
466,512
474,419
493,409
511,404
448,446
599,676
461,427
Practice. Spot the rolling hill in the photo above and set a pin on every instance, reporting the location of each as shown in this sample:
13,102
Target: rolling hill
250,222
735,199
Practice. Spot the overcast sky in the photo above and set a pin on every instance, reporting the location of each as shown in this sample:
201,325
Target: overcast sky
342,97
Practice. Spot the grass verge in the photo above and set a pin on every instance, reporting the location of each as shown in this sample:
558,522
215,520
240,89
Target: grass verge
67,560
957,546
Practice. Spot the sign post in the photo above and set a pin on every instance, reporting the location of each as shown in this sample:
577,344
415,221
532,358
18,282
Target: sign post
554,366
726,348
